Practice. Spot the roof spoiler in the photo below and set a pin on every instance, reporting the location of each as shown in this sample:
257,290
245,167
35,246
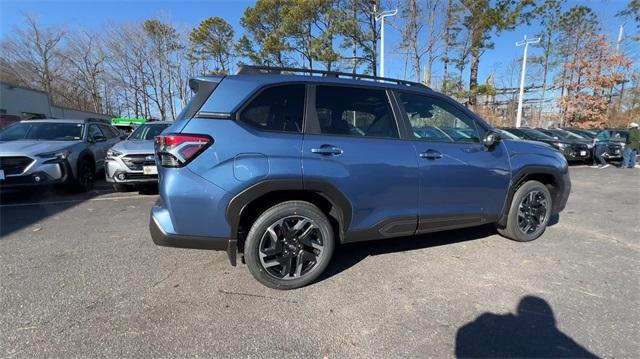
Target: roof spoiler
202,88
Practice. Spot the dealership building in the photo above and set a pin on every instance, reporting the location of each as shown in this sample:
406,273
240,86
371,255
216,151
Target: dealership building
27,103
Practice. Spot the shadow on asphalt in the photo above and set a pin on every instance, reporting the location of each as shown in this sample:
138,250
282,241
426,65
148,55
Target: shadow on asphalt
348,255
530,333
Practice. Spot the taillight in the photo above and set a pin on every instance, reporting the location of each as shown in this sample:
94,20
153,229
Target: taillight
176,150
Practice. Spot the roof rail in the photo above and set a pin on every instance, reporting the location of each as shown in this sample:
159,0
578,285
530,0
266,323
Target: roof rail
268,70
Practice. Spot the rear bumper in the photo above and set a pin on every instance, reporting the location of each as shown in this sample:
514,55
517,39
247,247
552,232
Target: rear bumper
163,238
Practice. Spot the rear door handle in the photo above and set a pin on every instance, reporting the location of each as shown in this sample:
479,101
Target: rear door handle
431,155
327,150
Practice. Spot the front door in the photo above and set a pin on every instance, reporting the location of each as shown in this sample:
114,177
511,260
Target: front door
355,148
462,183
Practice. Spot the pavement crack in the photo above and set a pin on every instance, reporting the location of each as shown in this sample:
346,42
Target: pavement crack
256,295
175,267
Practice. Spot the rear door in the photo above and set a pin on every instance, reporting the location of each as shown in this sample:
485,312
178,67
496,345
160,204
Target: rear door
462,182
352,143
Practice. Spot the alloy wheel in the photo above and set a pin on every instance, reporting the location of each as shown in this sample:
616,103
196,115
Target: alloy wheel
532,212
291,247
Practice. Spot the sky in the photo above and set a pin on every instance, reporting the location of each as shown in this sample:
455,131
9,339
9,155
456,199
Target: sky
94,15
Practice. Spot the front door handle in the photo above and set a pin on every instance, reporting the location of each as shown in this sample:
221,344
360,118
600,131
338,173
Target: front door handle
431,155
327,150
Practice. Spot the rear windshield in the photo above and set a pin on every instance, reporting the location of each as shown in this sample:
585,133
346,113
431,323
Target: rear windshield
43,131
148,132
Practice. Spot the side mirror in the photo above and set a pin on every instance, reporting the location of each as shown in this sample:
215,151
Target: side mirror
491,138
123,137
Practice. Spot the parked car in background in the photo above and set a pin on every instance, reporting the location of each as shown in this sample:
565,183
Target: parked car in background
131,162
590,134
572,150
54,151
127,125
282,167
617,140
571,137
6,120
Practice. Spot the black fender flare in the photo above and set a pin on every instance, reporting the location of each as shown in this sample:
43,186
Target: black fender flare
337,199
517,180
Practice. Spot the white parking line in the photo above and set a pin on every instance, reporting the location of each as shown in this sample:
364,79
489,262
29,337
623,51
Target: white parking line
69,201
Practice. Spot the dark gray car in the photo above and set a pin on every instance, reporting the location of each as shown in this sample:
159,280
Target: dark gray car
53,151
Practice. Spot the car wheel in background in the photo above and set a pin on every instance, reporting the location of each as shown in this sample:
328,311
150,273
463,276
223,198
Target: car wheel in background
85,178
289,245
529,212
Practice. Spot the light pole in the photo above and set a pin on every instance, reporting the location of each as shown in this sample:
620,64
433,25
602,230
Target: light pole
380,17
526,43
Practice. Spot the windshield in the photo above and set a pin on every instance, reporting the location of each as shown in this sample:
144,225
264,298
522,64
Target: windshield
567,135
43,131
148,132
535,134
507,134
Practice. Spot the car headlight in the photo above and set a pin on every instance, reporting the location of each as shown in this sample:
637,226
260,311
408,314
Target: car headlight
113,153
561,145
55,155
589,145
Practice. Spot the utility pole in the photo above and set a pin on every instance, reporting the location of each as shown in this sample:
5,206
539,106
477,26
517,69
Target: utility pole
620,33
380,17
526,43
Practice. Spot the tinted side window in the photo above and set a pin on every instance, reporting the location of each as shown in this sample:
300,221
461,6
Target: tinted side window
107,131
354,112
94,131
278,108
437,120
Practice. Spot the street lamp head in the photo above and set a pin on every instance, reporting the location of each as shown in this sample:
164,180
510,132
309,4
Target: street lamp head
386,13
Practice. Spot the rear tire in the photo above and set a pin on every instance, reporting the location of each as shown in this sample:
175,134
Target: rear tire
529,212
85,178
289,245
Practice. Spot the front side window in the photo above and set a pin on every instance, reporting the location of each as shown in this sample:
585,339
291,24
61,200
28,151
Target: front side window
355,112
433,119
278,108
94,132
43,131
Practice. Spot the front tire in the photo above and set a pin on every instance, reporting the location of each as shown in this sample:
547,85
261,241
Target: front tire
529,212
289,245
85,178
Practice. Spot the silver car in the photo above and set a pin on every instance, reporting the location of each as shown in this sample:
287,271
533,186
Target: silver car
54,151
132,161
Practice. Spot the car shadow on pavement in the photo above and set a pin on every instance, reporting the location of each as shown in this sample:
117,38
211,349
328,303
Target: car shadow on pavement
348,255
529,333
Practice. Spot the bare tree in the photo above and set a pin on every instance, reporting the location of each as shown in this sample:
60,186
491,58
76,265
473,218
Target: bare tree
32,54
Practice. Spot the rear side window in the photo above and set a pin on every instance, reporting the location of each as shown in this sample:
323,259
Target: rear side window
354,112
279,108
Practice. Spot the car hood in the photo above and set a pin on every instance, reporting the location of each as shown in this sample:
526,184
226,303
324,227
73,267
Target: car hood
32,147
134,147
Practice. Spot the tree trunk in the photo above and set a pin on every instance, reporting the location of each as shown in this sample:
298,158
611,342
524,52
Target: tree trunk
473,75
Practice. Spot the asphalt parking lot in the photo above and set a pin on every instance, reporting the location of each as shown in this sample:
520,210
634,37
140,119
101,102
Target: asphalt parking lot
80,277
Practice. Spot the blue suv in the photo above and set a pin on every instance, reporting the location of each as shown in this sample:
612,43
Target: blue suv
280,165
